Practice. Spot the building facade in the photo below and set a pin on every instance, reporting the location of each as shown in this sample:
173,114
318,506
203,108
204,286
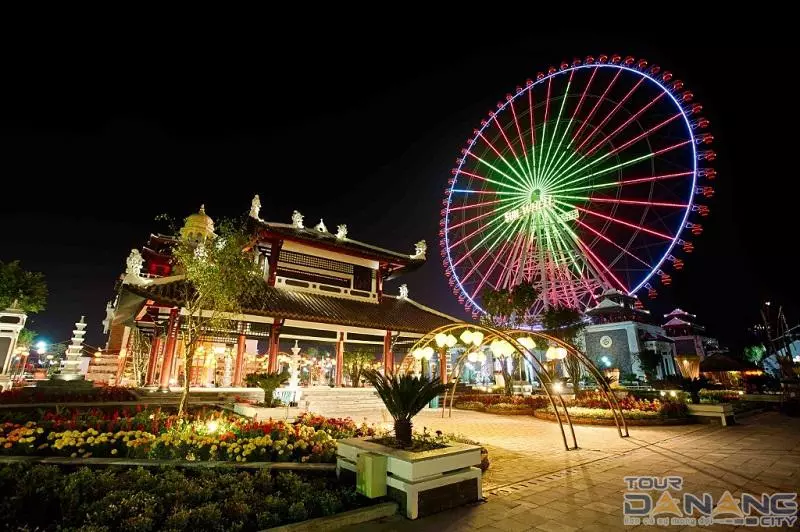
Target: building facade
320,288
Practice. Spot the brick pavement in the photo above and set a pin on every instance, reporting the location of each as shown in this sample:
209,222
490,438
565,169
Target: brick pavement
534,484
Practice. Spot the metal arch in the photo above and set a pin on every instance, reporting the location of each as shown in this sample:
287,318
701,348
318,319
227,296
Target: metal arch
495,333
613,404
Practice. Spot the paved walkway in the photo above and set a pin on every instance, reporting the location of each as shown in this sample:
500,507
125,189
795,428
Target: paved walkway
534,484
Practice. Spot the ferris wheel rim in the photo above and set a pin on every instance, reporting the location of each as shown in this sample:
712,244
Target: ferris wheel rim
691,140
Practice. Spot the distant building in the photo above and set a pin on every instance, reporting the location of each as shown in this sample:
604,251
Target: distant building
692,346
620,330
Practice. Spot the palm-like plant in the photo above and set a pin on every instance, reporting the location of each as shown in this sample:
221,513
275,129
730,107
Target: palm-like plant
404,396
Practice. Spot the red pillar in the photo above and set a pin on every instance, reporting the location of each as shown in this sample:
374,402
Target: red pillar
388,356
169,350
339,360
237,370
155,347
274,342
443,364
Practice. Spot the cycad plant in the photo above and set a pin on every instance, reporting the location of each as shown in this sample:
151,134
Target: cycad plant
404,396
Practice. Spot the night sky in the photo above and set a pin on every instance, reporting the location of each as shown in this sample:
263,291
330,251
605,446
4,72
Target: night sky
359,129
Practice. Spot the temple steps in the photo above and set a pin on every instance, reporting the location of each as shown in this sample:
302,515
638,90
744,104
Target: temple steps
355,403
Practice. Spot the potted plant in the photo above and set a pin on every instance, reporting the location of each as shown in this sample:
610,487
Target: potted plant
411,470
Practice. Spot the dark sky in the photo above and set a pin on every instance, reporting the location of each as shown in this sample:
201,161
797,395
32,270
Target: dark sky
359,129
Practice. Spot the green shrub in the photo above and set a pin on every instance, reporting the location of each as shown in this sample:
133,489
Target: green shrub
49,498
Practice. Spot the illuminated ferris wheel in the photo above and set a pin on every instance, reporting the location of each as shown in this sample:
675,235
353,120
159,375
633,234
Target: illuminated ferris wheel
583,180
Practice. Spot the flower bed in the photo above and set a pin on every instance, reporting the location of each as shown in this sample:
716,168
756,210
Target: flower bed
676,413
501,404
47,497
157,434
100,394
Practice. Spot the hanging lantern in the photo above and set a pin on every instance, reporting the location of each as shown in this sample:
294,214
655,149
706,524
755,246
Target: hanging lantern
417,354
472,357
466,337
527,342
451,340
477,338
427,352
441,339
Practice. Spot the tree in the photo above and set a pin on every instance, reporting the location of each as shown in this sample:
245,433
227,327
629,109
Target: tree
565,323
755,353
26,338
509,308
355,362
219,275
140,351
404,396
28,289
649,360
267,382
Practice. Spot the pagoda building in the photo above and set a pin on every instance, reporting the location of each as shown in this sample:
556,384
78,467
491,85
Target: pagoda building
321,288
692,346
620,329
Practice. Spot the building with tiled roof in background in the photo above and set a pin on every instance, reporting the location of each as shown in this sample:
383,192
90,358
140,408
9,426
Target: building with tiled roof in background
321,288
620,328
692,345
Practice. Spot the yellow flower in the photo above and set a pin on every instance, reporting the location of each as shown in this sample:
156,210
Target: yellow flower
73,455
114,451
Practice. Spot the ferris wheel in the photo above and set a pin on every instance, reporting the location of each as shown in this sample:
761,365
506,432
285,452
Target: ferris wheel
585,179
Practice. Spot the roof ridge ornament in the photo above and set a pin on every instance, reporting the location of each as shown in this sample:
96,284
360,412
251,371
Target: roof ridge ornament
255,207
321,227
403,291
420,248
133,272
297,220
341,231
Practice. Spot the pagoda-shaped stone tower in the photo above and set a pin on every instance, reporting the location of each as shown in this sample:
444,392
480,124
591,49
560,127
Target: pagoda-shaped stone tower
71,370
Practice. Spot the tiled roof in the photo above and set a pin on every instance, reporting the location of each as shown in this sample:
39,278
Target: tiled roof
390,313
326,239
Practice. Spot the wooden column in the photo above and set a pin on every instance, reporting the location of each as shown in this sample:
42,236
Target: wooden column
339,360
274,343
443,364
237,370
388,356
169,351
155,347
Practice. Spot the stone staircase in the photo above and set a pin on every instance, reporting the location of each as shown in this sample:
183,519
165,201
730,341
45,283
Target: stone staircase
355,403
103,369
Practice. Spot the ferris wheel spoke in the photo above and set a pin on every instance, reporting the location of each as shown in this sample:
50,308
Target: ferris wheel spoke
475,205
620,201
498,219
520,185
556,164
485,277
625,124
532,116
483,257
610,115
521,142
488,180
505,161
513,151
605,238
617,220
623,164
471,220
645,133
564,99
544,123
596,105
623,182
586,121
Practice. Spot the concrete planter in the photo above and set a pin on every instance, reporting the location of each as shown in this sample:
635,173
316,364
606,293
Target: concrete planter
721,411
422,483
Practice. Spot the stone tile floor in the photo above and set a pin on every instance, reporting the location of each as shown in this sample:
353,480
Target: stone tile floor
534,484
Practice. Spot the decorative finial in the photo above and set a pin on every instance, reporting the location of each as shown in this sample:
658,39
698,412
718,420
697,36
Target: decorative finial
403,291
297,219
341,232
133,272
255,207
202,209
321,227
420,248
